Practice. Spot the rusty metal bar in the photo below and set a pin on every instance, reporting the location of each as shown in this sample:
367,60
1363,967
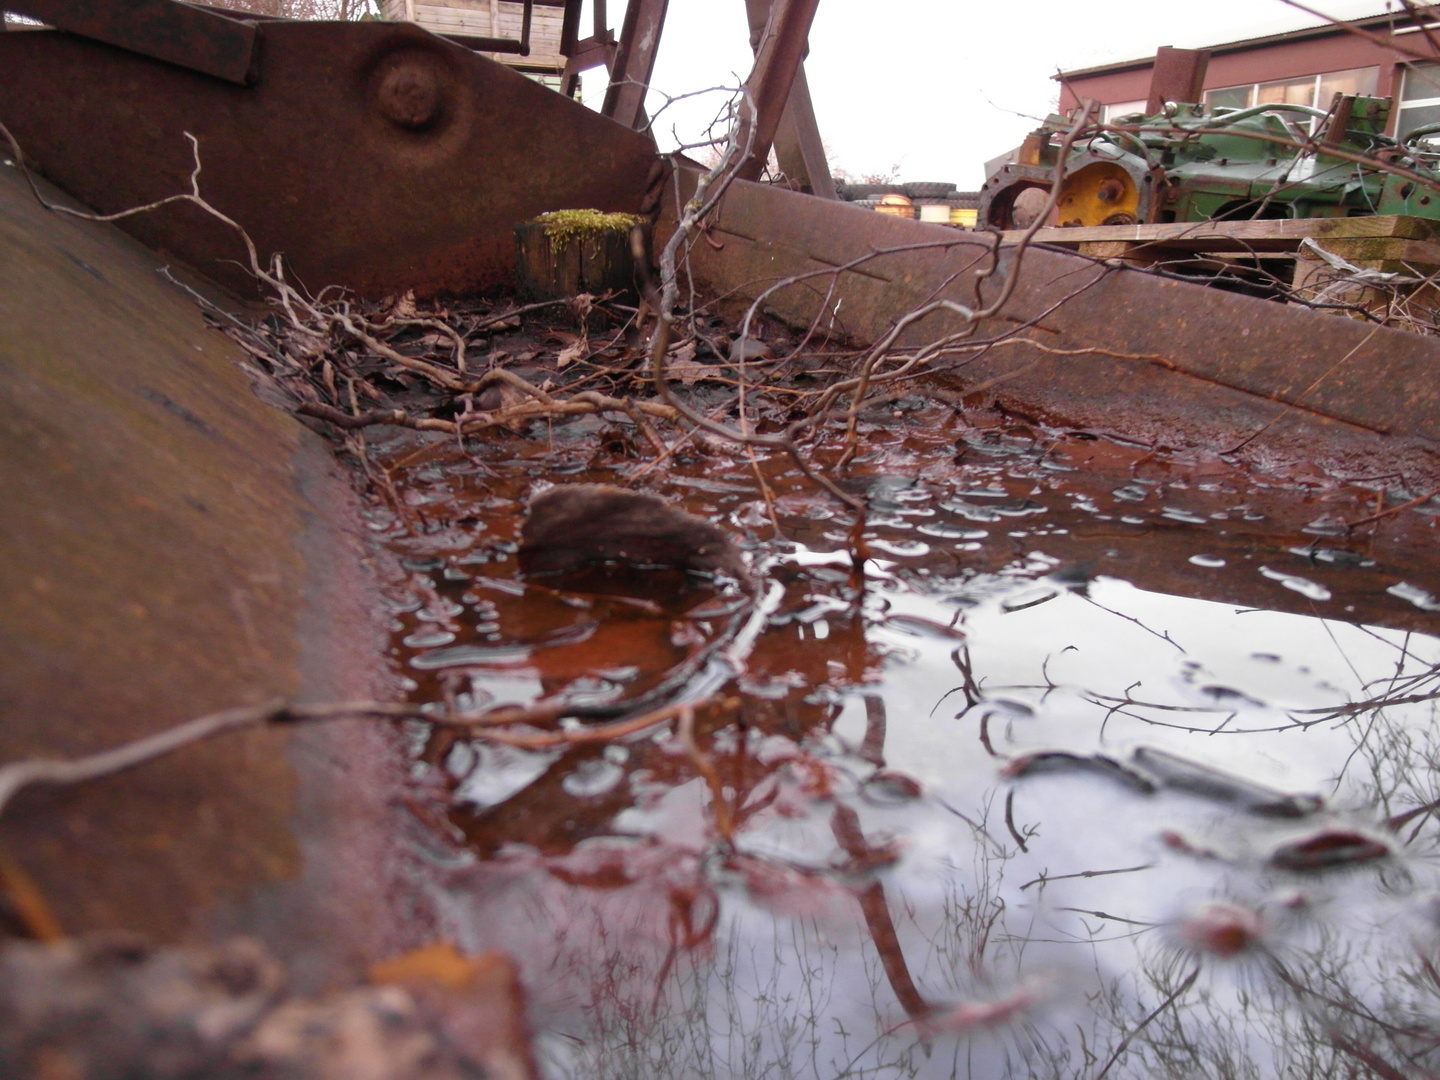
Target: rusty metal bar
598,50
585,55
570,27
176,33
634,62
798,146
488,44
526,16
1178,75
768,88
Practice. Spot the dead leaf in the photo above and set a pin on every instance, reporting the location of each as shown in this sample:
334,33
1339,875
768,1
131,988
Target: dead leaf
402,306
576,350
526,356
743,349
564,337
689,372
304,345
682,365
440,963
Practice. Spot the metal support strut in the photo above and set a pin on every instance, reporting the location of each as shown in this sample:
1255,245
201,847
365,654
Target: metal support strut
768,88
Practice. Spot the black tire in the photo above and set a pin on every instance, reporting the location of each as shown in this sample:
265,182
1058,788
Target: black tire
856,192
929,190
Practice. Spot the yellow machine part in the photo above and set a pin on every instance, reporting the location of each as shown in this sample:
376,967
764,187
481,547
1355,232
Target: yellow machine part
1099,194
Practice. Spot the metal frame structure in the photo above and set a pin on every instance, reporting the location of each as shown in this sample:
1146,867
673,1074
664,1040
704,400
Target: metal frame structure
375,155
225,46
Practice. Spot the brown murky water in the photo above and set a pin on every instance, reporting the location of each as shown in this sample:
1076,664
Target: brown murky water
1095,780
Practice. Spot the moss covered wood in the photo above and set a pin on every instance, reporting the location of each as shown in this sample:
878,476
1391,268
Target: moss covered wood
566,252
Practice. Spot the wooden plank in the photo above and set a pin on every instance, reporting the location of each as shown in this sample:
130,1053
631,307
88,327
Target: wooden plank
1382,249
1106,249
1283,235
499,19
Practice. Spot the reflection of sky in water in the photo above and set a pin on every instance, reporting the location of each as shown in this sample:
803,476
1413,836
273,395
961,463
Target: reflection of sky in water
793,982
1042,918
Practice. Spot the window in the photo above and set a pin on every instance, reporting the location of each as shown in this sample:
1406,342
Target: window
1316,91
1234,97
1419,98
1124,108
1362,81
1290,92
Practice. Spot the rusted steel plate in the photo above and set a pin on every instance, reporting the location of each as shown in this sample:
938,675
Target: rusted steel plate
172,545
177,33
374,156
1242,352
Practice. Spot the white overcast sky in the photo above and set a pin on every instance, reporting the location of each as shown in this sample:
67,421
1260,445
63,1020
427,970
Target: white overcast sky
937,87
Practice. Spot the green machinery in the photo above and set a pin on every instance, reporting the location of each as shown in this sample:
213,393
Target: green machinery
1191,163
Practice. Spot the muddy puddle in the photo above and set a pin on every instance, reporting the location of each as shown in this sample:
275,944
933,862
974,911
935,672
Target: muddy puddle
1118,768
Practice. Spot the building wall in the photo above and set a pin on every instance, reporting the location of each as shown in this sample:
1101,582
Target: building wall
1336,51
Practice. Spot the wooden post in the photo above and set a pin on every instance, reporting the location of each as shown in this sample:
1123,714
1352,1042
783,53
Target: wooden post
596,262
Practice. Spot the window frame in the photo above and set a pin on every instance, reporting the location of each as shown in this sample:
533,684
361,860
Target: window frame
1402,105
1315,82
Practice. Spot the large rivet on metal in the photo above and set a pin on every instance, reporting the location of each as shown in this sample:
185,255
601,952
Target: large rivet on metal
409,94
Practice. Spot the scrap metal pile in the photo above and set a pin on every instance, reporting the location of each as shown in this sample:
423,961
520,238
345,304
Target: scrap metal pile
1192,163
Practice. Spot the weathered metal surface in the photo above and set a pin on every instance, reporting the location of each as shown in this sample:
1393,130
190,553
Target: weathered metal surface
634,62
1189,162
1178,75
173,545
768,87
202,41
798,146
1195,366
581,56
374,156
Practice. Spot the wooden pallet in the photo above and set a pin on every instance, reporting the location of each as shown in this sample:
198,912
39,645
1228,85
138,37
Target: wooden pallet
1391,242
1407,245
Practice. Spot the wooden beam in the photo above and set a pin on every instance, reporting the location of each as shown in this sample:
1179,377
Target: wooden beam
1282,235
